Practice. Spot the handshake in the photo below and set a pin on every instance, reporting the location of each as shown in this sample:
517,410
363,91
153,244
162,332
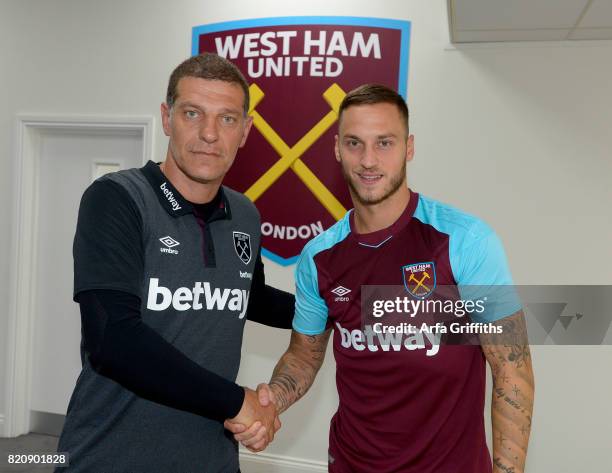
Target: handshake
257,422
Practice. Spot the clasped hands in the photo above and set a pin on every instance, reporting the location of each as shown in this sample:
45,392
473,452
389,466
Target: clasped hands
257,422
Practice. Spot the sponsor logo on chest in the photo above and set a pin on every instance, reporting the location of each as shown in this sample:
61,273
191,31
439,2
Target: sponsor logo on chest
202,296
373,339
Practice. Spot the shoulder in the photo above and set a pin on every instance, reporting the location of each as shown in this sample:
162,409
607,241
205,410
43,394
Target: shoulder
240,203
126,178
476,253
106,194
462,227
328,239
121,190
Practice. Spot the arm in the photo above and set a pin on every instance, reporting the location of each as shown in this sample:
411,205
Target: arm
268,305
482,272
296,370
292,377
513,393
108,269
121,347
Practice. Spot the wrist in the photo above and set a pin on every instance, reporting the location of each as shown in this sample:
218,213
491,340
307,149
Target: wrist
244,408
278,397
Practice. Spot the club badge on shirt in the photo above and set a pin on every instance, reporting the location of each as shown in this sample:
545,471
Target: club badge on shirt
242,245
419,279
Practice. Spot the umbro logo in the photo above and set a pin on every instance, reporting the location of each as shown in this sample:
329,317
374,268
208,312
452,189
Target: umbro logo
169,243
341,292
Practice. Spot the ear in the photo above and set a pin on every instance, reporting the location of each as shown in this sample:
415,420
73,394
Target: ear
247,128
337,148
165,116
410,148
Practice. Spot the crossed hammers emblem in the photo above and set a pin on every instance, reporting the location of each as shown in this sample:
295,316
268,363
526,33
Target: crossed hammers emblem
290,157
419,282
244,250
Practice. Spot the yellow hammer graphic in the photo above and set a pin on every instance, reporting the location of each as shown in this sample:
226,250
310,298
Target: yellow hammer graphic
290,157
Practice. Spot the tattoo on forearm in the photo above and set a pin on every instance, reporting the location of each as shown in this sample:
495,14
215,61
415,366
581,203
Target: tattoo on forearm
498,463
519,355
296,370
513,393
500,394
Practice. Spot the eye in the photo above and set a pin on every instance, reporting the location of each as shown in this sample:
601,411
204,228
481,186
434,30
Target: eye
385,143
352,143
191,114
228,119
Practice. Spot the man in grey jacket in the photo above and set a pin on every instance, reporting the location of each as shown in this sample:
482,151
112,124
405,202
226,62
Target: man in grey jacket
167,269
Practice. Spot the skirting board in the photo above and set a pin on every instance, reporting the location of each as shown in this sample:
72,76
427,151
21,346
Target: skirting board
269,463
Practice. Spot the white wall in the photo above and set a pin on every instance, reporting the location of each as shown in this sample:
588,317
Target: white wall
516,134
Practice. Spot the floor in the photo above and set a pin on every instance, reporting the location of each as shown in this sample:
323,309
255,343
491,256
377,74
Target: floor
26,444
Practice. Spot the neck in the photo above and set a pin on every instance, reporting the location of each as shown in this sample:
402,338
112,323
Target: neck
370,218
193,191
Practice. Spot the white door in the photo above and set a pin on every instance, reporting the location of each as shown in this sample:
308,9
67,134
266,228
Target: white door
69,161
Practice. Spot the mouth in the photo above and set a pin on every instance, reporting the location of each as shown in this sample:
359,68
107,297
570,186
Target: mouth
369,179
205,153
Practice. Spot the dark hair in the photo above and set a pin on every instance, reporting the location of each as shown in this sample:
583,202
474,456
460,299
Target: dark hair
207,66
368,94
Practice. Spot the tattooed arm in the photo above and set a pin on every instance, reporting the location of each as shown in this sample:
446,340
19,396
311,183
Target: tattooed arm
292,377
296,370
513,392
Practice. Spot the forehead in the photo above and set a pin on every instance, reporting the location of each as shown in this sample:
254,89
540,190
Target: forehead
207,93
378,118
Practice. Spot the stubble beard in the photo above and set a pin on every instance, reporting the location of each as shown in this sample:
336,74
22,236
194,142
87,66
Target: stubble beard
397,181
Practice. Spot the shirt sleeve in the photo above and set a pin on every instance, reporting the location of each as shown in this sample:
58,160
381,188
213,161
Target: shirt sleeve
108,249
268,305
310,309
122,347
481,271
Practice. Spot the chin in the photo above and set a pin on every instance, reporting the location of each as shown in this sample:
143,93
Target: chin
204,177
371,195
205,173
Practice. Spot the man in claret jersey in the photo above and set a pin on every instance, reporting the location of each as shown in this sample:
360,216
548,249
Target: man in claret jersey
415,408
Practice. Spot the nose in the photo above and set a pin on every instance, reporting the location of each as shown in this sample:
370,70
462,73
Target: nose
208,130
369,158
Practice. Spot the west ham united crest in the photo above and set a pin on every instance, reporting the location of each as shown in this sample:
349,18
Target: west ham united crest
242,245
420,279
299,69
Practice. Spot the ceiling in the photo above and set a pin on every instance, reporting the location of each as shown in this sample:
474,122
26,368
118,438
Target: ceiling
476,21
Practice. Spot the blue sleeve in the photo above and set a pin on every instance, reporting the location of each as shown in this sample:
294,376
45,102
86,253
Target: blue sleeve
310,308
481,271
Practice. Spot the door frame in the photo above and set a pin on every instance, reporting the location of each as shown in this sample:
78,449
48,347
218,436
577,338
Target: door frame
24,226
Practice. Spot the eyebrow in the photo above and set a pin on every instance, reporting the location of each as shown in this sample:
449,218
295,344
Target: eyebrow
188,104
379,137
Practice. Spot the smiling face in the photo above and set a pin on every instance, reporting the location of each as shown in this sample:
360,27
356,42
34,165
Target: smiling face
372,147
206,126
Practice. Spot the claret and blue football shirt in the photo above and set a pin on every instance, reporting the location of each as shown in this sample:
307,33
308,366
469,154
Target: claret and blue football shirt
412,408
